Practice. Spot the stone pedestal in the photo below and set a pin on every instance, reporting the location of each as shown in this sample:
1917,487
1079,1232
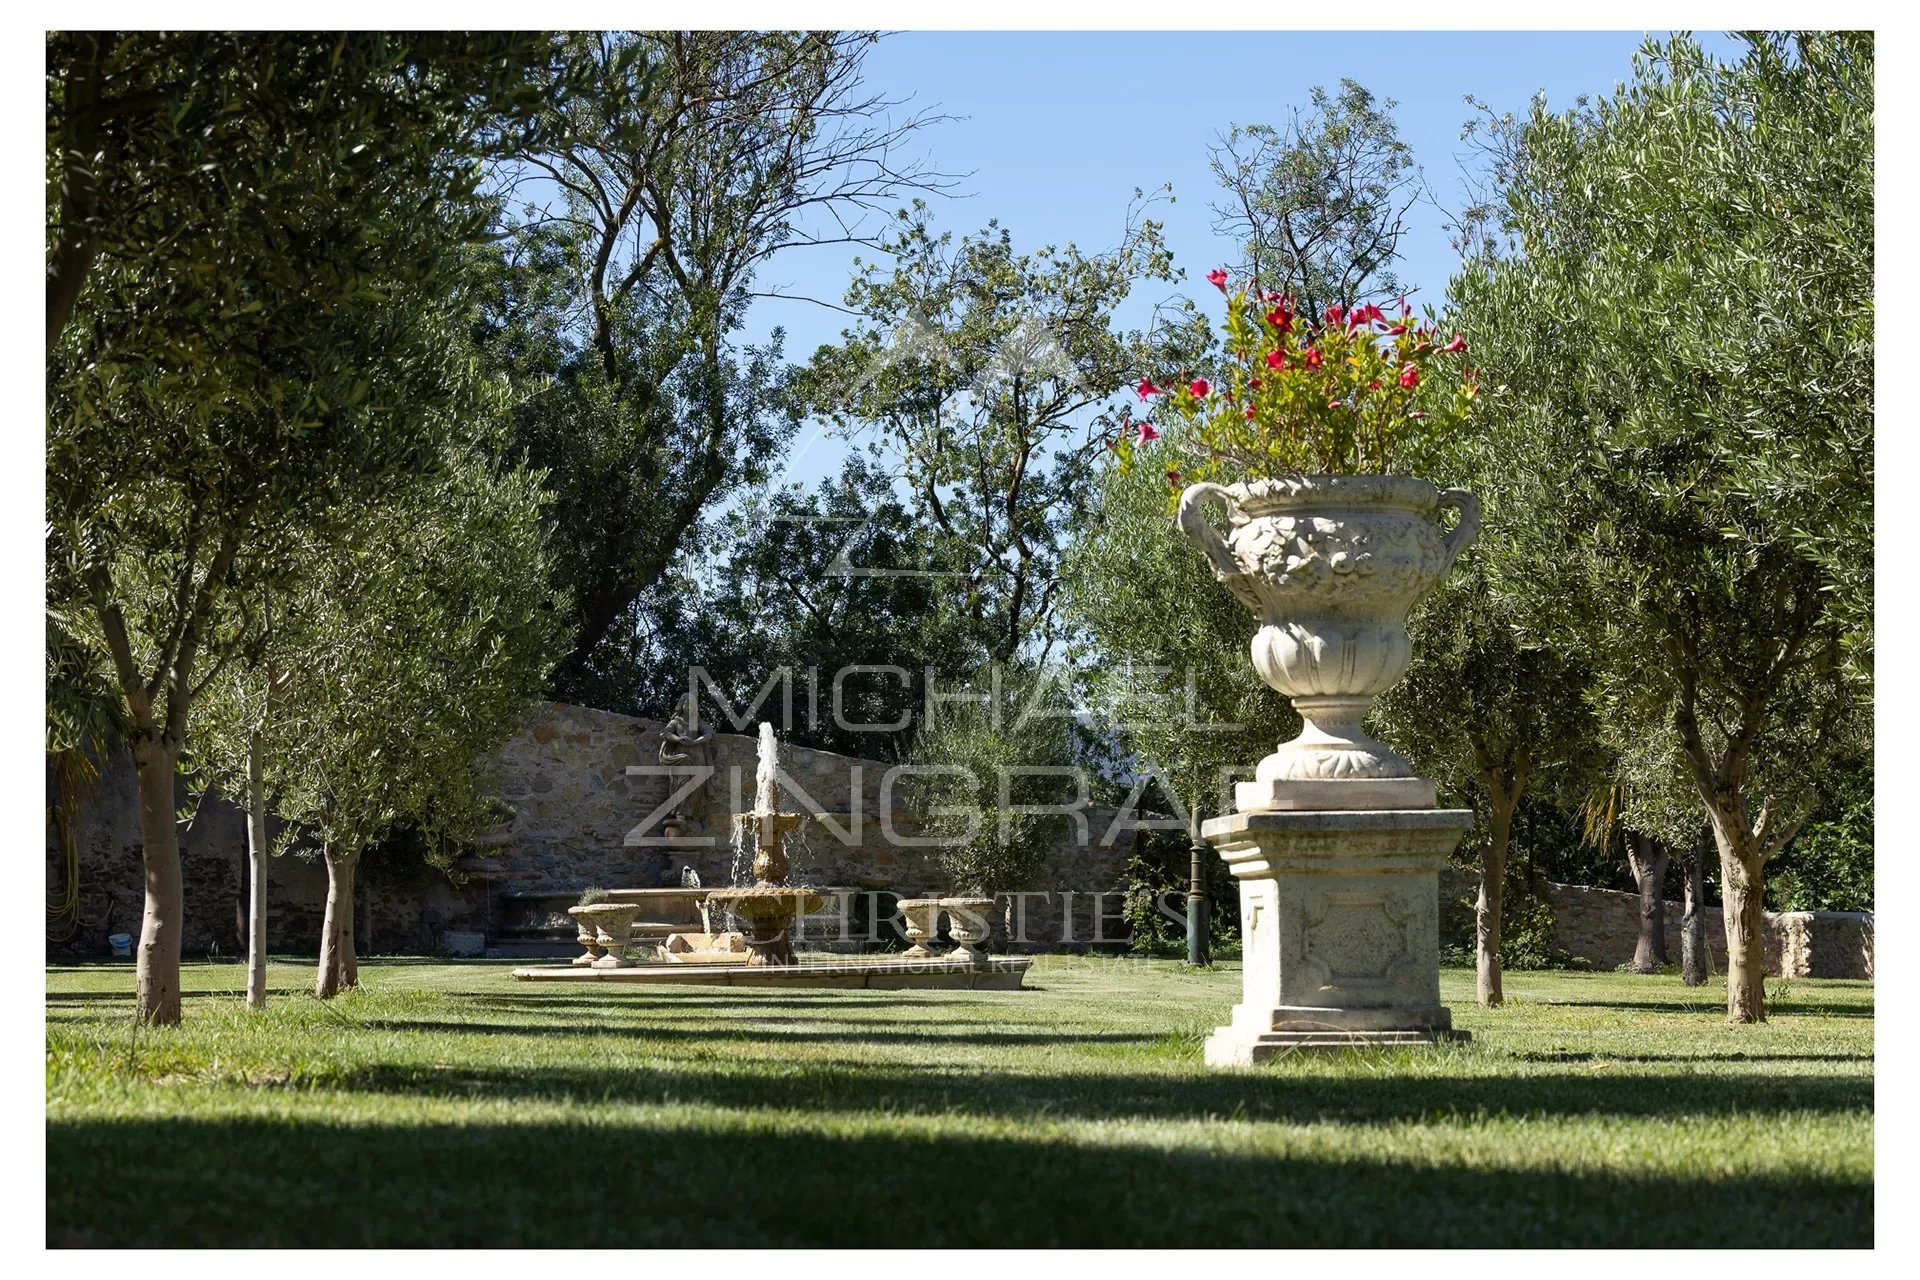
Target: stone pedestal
1340,928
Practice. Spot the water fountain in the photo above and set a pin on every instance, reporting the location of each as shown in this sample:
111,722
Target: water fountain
771,907
770,904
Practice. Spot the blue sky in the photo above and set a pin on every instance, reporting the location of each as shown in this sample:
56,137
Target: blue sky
1058,129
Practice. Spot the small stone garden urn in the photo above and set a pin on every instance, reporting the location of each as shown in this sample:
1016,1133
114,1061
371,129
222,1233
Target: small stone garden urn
1332,566
587,936
612,923
922,922
969,925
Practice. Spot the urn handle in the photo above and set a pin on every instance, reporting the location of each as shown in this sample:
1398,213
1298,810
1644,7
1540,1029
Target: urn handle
1193,523
1466,529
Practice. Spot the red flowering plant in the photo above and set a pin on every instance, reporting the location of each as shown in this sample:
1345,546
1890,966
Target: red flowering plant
1333,394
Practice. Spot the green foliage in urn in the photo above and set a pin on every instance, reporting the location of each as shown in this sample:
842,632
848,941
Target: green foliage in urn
591,895
1340,393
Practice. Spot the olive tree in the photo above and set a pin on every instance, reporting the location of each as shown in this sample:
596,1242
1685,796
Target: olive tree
249,246
1681,319
411,651
1491,711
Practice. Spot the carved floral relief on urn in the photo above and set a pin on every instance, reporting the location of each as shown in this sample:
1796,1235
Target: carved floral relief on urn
1331,567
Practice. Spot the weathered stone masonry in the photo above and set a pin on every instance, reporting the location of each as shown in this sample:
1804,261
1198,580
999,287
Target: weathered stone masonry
574,804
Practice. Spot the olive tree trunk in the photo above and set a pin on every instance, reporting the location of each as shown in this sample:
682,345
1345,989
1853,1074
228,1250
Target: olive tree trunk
349,928
157,967
1649,857
1742,908
256,875
337,970
1487,908
1696,962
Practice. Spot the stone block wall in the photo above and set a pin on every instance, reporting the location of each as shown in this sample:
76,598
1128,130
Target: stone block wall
1601,925
575,806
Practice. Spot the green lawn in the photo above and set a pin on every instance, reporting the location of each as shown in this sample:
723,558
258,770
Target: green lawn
445,1104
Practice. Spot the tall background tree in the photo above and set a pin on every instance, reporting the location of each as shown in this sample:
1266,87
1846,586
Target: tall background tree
1318,204
638,228
987,376
250,249
1681,320
833,591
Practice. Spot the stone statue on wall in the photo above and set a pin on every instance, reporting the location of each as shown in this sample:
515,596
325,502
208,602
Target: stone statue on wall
685,742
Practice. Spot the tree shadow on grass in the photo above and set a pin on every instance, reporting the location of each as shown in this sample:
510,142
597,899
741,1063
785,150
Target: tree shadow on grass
1780,1008
1269,1094
932,1035
264,1182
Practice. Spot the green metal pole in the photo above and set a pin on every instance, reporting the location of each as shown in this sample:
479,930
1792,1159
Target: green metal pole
1197,895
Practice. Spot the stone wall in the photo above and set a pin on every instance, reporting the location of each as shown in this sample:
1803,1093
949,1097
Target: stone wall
575,807
1601,926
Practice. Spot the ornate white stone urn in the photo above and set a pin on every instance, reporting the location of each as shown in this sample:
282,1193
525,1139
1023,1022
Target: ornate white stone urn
1332,567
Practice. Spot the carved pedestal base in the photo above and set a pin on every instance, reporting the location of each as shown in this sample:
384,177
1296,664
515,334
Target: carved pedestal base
1340,929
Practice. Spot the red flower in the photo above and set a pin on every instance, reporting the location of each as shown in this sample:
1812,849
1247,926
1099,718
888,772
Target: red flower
1374,385
1396,331
1146,388
1249,414
1313,357
1459,343
1335,314
1417,414
1410,376
1276,359
1253,384
1199,387
1334,403
1148,433
1280,318
1173,478
1218,277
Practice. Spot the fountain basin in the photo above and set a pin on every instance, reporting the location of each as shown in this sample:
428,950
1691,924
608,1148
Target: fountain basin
768,901
705,948
768,911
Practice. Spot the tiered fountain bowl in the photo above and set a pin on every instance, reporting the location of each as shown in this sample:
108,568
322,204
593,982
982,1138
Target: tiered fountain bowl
770,905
